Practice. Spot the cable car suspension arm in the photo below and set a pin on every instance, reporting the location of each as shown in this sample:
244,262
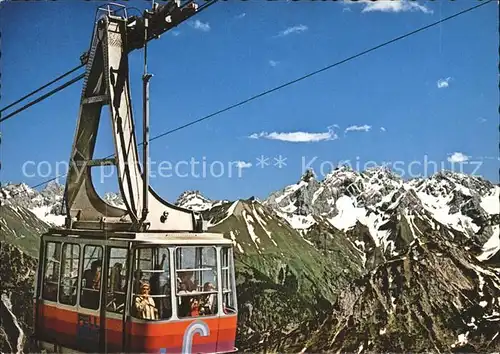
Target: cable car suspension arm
160,19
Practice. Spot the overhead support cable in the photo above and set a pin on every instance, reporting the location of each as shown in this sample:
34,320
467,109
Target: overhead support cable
319,71
42,87
41,98
83,59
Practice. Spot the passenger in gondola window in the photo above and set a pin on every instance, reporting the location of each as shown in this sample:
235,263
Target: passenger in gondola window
137,281
92,283
92,276
116,289
166,302
195,307
50,288
186,282
155,278
145,305
116,277
210,300
156,286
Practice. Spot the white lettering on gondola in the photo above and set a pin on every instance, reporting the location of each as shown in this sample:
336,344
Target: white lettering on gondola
196,327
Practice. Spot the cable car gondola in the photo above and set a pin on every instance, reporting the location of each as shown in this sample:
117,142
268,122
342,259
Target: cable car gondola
146,277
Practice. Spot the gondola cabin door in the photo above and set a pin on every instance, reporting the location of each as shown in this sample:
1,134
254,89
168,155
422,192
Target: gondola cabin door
102,298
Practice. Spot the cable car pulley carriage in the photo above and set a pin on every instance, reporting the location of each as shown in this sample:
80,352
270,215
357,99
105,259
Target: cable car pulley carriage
147,277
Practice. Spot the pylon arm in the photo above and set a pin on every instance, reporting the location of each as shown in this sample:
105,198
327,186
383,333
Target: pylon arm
107,85
161,19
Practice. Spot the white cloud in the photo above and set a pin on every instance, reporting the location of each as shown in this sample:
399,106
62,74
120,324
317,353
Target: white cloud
443,83
273,63
240,16
359,128
458,157
297,137
243,164
202,26
383,129
482,119
294,29
175,33
391,6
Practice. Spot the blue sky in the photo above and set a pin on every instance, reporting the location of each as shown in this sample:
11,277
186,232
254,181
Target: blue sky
431,97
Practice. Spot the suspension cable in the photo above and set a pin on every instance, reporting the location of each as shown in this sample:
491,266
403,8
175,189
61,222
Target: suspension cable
203,7
41,98
42,87
318,71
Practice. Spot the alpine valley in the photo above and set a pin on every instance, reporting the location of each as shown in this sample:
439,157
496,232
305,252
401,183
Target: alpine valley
354,262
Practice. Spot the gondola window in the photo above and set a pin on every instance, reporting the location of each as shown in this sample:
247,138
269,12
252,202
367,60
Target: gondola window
91,278
228,286
151,298
117,276
69,274
51,271
196,276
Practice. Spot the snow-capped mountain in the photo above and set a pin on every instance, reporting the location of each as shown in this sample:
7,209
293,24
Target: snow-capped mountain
114,199
345,197
377,199
368,207
195,201
45,204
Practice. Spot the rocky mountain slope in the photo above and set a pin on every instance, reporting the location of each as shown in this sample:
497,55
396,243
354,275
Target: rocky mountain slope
21,227
347,263
434,297
283,277
16,298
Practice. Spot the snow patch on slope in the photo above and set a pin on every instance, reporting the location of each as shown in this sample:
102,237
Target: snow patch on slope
7,304
232,234
262,223
491,203
229,212
251,230
440,211
492,246
44,214
347,215
289,190
317,194
298,222
195,201
374,221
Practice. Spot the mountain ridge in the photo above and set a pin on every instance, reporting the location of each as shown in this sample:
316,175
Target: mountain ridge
343,200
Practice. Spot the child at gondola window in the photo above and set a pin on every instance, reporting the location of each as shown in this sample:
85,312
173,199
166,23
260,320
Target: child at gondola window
195,307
